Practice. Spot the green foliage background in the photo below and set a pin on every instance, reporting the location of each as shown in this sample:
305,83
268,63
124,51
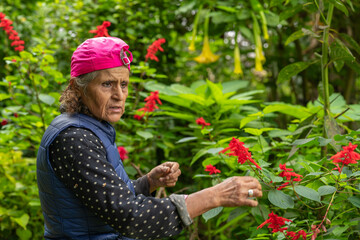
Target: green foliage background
280,113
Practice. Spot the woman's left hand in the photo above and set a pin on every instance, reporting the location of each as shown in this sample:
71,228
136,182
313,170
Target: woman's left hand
164,175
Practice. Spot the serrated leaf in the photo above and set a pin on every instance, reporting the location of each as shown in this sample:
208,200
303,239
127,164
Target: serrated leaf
338,51
46,99
280,199
339,230
291,70
326,190
308,193
212,213
145,135
339,5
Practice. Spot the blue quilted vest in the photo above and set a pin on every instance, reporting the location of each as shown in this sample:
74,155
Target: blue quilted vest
65,217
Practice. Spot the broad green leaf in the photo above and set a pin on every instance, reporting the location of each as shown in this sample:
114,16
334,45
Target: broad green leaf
271,176
339,5
294,36
291,70
332,128
326,190
338,51
351,5
253,131
181,89
186,139
295,111
227,9
198,155
23,234
246,120
214,151
300,142
194,98
315,173
212,213
46,99
280,199
355,201
339,230
308,193
222,17
233,86
290,11
355,174
183,116
22,221
4,96
145,135
215,90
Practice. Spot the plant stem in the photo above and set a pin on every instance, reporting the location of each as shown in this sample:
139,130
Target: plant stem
324,62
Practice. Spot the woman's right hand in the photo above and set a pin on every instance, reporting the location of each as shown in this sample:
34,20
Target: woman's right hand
235,192
232,192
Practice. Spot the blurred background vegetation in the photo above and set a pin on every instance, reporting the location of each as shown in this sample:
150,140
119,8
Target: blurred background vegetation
264,36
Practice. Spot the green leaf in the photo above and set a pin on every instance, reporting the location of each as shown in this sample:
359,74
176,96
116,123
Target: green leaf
183,116
288,109
339,230
253,131
212,213
338,51
308,193
275,3
46,99
233,86
352,43
294,36
4,96
332,129
22,221
290,11
198,155
146,135
355,174
355,201
23,234
216,91
326,190
339,5
186,139
280,199
291,70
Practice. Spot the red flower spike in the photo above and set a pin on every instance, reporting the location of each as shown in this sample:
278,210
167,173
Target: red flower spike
12,34
4,122
288,173
150,104
212,169
238,149
153,48
123,153
296,236
346,156
283,185
275,223
16,115
201,121
101,30
138,117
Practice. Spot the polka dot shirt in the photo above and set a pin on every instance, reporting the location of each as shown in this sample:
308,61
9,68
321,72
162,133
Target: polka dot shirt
79,161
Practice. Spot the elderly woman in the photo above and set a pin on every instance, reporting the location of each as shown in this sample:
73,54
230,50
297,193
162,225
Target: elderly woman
84,191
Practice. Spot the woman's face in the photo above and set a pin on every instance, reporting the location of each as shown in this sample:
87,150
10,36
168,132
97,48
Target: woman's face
105,95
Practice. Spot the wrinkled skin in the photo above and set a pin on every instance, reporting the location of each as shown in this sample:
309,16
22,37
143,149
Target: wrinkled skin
164,175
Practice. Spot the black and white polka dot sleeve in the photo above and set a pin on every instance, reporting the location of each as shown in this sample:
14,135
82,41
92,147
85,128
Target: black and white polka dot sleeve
79,160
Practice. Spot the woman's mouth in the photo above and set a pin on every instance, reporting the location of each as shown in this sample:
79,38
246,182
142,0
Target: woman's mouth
116,109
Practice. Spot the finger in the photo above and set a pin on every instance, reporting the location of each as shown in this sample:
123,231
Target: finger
253,185
250,203
256,193
174,166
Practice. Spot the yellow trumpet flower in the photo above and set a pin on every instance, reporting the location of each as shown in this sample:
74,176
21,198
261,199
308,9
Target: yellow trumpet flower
264,25
237,61
206,55
259,56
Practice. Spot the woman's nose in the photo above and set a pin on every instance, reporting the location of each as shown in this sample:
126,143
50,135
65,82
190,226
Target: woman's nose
117,93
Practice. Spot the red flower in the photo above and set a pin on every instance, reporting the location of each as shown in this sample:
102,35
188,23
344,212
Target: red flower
138,117
153,48
12,34
347,155
296,236
150,104
16,115
212,169
101,30
288,173
123,153
283,185
4,122
201,121
238,149
275,223
13,60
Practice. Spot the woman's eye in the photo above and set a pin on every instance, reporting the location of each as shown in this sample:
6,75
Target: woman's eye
106,84
124,84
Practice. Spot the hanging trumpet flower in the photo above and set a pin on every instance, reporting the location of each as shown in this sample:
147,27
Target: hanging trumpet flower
259,56
196,20
206,55
237,61
257,7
